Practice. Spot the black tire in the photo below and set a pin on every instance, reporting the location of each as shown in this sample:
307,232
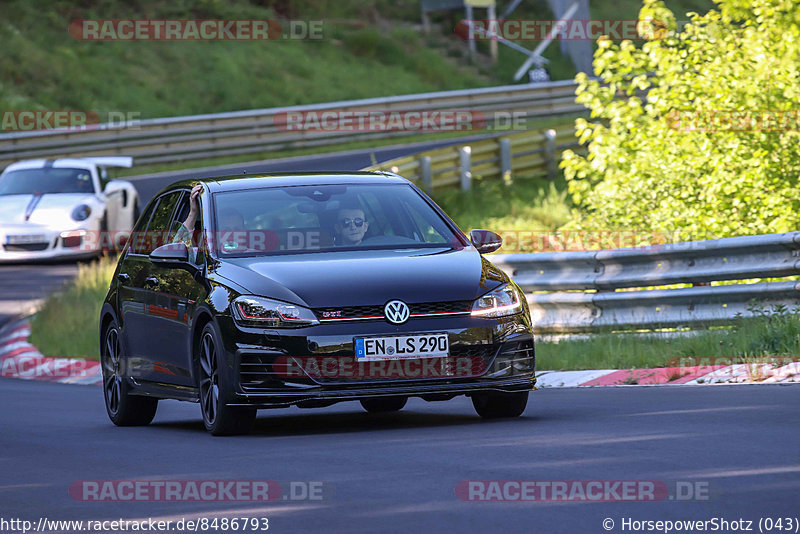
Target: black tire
218,418
384,404
499,405
123,408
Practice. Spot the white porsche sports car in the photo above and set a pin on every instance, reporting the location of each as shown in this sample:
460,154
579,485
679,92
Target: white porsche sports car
64,208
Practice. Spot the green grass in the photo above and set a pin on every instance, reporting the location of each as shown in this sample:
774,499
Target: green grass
370,48
43,67
67,323
771,334
530,204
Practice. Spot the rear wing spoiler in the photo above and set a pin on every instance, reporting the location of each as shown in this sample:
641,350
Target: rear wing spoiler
112,161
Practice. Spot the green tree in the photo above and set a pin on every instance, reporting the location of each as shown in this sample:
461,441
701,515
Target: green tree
699,156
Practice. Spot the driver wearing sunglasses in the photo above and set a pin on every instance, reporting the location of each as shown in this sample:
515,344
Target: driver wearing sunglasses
351,225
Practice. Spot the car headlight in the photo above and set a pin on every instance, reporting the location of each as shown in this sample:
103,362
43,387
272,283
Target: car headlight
81,213
505,300
267,313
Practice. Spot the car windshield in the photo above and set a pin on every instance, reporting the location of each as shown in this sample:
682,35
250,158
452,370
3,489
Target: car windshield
286,220
46,181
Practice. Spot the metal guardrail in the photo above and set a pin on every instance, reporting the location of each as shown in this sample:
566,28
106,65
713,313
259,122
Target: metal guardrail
587,291
242,132
533,153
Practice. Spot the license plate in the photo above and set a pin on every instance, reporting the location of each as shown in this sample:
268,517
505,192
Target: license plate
402,347
27,239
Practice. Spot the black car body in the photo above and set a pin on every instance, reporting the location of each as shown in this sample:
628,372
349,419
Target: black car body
285,305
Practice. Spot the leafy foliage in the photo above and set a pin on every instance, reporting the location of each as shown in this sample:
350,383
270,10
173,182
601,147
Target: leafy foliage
658,164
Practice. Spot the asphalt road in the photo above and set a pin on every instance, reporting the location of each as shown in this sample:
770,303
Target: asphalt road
21,286
398,472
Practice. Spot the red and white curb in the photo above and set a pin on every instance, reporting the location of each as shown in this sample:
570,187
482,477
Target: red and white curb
684,376
20,359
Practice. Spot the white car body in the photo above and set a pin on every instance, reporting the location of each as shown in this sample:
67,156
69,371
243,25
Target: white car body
41,225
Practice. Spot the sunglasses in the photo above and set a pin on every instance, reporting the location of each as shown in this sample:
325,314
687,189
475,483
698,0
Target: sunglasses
358,222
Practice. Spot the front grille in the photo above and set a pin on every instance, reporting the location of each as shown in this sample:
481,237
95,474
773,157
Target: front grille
265,371
344,313
441,307
258,371
26,247
515,358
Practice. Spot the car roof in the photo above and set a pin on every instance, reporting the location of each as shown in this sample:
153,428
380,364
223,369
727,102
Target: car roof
240,182
69,163
87,163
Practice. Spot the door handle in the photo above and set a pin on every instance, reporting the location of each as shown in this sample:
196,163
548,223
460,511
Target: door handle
124,278
151,281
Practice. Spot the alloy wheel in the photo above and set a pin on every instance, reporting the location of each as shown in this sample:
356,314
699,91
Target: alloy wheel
209,379
112,384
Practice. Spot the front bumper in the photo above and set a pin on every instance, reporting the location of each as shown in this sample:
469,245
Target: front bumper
45,244
267,368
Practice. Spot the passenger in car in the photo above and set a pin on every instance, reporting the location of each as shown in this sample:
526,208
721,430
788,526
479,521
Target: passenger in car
186,229
229,220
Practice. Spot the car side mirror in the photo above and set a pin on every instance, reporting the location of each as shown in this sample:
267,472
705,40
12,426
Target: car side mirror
175,254
485,241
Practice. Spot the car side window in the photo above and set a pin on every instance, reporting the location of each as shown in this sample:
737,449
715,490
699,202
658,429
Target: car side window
102,173
176,231
137,236
157,230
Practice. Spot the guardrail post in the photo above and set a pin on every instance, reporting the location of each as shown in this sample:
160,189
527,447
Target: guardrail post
466,166
505,161
471,47
550,154
492,16
425,172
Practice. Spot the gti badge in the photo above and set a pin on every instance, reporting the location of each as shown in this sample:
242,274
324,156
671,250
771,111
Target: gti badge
396,311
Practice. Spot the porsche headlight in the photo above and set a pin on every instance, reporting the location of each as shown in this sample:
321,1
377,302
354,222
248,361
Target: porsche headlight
267,313
81,212
505,300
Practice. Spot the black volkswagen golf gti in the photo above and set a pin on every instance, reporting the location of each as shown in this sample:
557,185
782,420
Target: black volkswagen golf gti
270,291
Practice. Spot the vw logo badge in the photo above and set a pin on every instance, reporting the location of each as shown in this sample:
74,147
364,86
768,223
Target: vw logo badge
396,311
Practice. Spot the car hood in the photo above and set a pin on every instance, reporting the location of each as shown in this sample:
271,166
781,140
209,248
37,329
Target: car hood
366,277
51,210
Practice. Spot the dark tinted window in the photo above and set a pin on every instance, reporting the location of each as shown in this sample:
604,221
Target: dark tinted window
46,181
158,229
137,236
183,211
283,220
